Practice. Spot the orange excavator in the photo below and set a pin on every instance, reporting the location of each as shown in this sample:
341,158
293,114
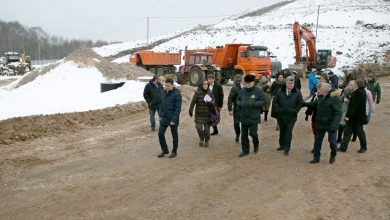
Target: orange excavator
314,59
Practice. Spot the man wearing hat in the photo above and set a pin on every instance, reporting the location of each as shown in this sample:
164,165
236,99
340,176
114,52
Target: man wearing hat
218,96
250,102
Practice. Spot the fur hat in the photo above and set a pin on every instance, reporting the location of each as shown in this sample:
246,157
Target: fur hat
249,78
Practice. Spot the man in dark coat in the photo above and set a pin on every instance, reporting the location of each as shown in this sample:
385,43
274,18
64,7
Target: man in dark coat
355,118
249,102
328,107
218,95
334,80
285,107
169,116
152,95
232,106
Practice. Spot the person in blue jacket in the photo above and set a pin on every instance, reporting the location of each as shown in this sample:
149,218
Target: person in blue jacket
169,116
312,82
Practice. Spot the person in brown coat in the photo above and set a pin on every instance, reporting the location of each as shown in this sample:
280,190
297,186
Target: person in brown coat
203,99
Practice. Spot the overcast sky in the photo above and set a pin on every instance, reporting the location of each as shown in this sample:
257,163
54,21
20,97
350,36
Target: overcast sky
121,20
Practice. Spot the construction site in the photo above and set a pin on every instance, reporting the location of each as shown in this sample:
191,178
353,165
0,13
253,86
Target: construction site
76,139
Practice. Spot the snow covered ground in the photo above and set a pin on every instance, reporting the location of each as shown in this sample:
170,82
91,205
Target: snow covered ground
67,88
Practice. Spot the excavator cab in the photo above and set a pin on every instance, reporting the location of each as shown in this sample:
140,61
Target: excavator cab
323,58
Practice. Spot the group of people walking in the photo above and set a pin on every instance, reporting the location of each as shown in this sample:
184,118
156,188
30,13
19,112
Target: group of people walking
338,112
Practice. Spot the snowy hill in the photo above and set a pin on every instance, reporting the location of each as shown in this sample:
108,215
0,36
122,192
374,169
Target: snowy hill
358,30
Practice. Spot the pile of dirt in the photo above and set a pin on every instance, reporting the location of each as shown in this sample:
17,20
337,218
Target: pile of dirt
32,127
85,56
35,73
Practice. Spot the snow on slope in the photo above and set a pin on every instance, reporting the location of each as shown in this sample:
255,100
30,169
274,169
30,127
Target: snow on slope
67,88
342,28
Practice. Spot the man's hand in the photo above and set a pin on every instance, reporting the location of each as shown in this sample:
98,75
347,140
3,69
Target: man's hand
346,119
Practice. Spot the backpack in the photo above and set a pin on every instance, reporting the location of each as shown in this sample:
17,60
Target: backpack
215,116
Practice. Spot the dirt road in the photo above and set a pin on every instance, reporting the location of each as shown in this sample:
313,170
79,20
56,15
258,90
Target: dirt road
110,171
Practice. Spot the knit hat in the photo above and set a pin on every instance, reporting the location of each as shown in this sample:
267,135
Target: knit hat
324,75
249,78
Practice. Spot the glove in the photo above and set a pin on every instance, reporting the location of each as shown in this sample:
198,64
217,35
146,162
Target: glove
190,113
306,118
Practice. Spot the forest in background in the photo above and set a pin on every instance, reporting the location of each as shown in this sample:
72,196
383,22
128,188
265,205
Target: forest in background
38,44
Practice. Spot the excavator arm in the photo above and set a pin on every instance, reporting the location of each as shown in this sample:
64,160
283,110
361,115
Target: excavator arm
302,32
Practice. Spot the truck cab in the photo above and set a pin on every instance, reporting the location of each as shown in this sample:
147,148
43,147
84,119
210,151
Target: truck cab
253,60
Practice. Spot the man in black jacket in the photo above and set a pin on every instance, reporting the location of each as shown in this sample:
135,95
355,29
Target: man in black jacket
218,96
328,118
232,106
285,107
249,102
355,118
152,95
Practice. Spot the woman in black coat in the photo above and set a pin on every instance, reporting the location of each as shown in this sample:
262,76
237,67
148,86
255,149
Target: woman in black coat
203,99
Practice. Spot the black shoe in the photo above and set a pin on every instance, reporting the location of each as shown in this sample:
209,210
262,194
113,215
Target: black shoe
362,150
332,159
214,133
173,155
314,161
162,154
280,149
285,152
341,149
256,149
237,139
242,154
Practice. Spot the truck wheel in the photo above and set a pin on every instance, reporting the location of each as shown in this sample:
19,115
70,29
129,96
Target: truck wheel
178,78
160,71
196,76
153,70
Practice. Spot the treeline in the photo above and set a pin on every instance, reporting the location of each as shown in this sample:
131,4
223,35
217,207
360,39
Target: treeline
37,43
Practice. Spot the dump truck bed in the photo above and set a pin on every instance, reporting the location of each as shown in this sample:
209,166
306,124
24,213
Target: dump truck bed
157,58
226,57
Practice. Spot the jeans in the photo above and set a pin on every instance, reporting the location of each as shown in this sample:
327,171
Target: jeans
161,138
152,113
318,143
285,134
252,129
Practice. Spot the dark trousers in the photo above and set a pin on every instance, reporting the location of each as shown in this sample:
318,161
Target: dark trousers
349,128
236,123
318,143
215,128
203,130
152,113
161,138
252,129
285,134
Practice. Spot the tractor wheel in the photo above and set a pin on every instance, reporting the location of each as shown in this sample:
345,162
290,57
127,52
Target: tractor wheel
218,77
153,70
196,76
160,71
237,76
178,78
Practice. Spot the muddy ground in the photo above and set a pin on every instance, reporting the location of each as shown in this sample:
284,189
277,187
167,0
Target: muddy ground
109,170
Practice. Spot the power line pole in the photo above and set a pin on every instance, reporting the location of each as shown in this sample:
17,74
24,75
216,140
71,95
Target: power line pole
147,30
318,16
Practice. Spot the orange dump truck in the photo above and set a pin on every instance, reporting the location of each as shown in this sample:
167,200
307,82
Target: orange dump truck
238,59
156,62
